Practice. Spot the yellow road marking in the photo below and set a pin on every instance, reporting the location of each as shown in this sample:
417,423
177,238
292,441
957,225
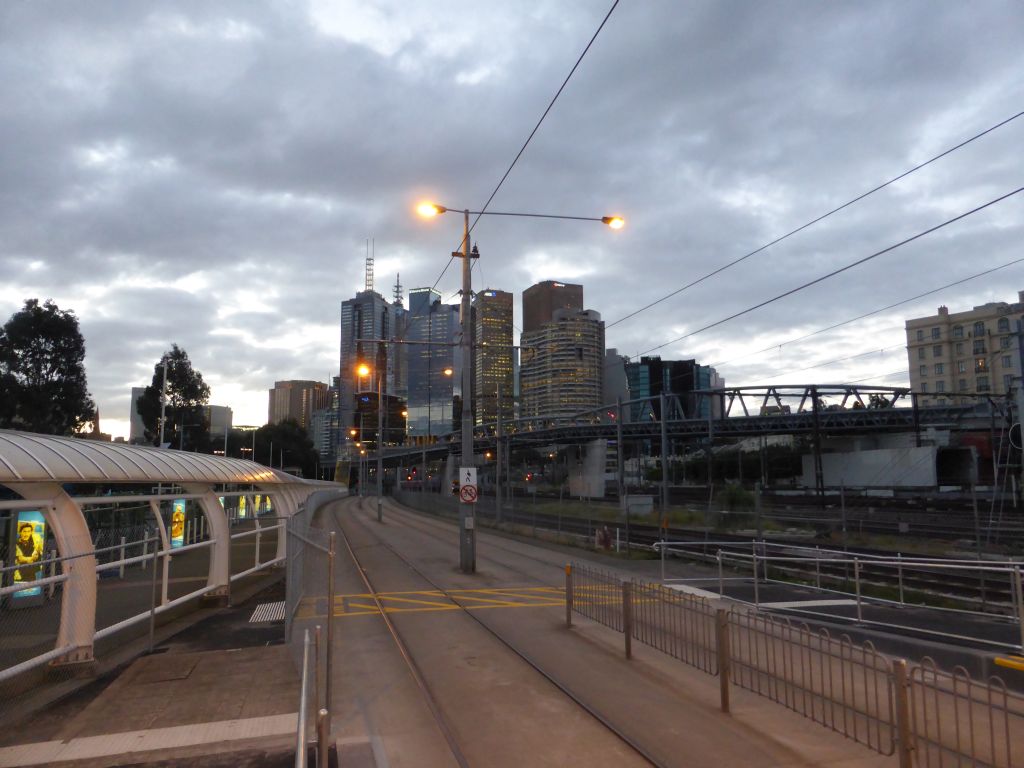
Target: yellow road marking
415,602
426,601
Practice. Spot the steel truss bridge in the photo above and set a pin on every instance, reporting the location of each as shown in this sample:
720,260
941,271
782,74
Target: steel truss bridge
813,410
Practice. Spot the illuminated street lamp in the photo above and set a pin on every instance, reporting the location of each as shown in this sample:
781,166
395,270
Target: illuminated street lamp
467,529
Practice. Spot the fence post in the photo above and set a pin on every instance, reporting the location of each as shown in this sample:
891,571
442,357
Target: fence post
856,584
662,559
757,594
316,669
722,644
627,617
120,570
904,746
328,683
323,730
568,594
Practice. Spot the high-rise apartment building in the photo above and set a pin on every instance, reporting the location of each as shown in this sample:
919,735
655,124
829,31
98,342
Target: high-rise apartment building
433,363
652,376
492,352
561,365
542,299
296,399
966,353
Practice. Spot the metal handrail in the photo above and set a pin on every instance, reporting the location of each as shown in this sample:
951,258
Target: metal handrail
300,729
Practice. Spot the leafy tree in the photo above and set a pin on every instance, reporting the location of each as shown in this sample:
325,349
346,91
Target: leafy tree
186,426
42,371
287,436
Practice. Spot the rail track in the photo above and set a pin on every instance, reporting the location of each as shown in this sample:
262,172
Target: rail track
442,720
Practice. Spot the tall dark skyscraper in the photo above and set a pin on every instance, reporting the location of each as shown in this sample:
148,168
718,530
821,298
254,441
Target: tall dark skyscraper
541,300
431,392
492,349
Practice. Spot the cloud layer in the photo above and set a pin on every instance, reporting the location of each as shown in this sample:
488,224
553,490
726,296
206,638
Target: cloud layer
209,174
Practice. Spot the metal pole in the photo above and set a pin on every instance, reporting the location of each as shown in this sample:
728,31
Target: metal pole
120,569
323,730
757,509
664,456
1020,603
316,672
619,474
903,725
856,583
757,593
842,512
163,404
497,461
152,595
722,644
721,580
627,617
300,746
467,529
380,448
328,682
899,574
568,594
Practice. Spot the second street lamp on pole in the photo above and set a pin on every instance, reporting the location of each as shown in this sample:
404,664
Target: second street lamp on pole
467,527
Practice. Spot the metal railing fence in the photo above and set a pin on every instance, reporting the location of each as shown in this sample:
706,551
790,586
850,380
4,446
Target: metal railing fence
918,712
957,721
845,686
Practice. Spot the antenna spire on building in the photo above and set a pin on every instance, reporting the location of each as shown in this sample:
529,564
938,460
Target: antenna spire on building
369,266
397,293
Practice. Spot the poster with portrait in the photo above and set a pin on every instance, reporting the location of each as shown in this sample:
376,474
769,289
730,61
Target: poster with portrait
257,505
29,541
241,507
177,523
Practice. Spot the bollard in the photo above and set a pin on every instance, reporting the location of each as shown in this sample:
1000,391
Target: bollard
120,570
627,617
904,746
722,646
568,594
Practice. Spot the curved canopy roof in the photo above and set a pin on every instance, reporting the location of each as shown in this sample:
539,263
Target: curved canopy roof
28,457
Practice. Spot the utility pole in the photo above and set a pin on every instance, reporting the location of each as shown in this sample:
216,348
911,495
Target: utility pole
163,403
467,528
497,461
380,447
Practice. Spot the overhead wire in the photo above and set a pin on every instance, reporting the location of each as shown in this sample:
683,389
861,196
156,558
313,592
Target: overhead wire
816,220
529,138
839,271
869,314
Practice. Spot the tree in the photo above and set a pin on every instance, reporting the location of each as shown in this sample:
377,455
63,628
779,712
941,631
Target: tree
186,425
43,386
288,437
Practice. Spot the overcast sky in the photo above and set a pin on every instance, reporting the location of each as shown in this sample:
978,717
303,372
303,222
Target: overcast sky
208,174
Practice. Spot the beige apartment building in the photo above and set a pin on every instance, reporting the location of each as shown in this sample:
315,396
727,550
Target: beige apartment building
955,355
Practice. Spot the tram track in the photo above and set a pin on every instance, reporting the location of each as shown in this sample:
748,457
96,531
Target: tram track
434,705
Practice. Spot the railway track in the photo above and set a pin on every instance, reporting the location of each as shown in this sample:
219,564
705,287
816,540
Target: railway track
441,718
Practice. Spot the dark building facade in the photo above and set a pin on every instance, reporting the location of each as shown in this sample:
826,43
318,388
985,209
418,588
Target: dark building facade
493,355
542,299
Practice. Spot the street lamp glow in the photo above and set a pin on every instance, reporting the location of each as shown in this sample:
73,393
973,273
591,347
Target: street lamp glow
447,371
430,210
615,222
363,369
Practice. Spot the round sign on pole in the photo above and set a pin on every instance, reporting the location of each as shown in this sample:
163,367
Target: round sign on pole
467,493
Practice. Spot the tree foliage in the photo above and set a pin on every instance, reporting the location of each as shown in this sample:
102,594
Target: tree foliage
186,426
286,440
43,385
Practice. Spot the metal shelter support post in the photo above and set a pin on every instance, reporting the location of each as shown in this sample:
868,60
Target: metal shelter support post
722,646
901,685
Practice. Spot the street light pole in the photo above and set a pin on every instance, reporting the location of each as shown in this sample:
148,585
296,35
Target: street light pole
467,527
380,449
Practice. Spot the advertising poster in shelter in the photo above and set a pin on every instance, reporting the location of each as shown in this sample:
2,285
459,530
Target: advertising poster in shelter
28,554
177,523
257,505
241,507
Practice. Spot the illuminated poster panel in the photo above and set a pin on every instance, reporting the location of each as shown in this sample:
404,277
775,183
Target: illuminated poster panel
177,523
257,505
28,552
241,507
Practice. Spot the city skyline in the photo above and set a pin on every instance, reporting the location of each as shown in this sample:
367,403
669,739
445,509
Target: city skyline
206,175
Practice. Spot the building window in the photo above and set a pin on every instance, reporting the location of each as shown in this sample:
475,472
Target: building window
962,385
1006,362
961,367
1005,342
936,333
980,364
923,370
941,401
958,331
959,347
924,386
940,386
1007,383
920,334
939,369
979,328
920,353
1004,325
982,383
979,347
937,350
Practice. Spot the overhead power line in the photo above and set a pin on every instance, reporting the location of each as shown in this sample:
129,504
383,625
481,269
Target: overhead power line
816,220
529,138
838,360
869,314
839,271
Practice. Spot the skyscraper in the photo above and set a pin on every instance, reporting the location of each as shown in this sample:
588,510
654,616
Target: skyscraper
492,341
561,365
542,299
431,332
296,399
